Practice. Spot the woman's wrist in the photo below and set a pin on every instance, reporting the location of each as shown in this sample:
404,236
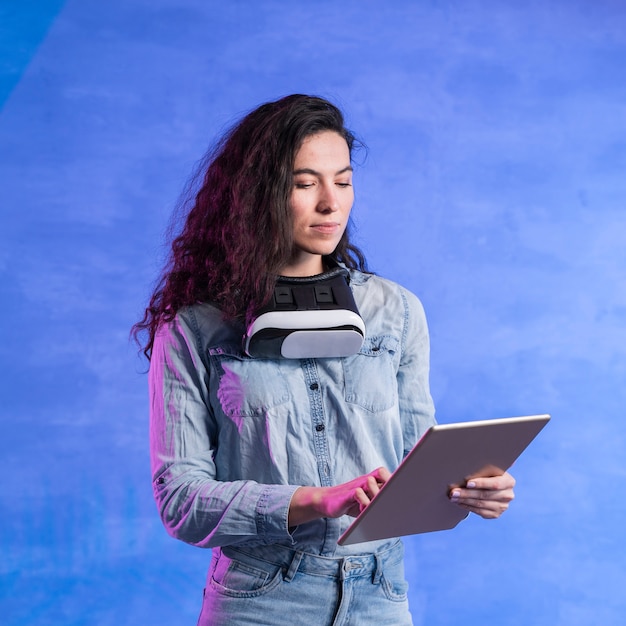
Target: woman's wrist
305,505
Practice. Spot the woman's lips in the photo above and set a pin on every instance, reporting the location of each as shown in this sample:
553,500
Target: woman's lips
328,227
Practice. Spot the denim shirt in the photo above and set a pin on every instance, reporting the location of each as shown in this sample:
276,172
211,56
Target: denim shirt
233,437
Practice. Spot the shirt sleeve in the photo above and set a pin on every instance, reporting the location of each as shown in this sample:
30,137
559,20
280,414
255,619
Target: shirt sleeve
194,506
417,410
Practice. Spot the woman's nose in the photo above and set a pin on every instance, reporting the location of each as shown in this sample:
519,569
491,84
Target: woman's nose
329,201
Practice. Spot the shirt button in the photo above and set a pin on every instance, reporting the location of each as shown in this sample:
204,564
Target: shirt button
313,386
319,428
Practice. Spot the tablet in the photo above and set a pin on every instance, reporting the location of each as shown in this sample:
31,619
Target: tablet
415,499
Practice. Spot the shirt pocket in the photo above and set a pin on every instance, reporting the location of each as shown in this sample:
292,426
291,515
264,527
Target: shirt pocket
370,375
246,386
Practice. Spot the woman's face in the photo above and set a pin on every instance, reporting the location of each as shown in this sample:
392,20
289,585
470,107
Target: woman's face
321,200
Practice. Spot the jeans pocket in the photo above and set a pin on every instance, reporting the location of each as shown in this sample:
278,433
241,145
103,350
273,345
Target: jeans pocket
393,581
235,578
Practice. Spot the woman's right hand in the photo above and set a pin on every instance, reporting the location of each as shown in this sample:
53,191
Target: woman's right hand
309,503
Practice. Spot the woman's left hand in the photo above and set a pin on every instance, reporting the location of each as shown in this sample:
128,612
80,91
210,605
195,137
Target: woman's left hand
488,497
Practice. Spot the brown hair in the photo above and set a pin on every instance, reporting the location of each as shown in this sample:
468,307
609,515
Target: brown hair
238,230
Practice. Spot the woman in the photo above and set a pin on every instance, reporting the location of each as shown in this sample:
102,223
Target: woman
266,460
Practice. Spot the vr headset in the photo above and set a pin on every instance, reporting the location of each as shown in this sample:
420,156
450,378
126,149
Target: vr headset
312,317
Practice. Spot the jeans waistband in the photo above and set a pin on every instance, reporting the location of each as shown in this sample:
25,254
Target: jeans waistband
292,561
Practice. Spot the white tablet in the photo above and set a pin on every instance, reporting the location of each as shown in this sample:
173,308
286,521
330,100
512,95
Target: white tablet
415,498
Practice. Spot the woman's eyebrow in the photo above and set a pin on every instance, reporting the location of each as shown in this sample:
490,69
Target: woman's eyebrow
308,170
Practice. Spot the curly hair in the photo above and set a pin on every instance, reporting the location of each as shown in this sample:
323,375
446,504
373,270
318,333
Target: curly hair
238,230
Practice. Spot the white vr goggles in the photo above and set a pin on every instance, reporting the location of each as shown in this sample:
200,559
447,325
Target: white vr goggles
312,317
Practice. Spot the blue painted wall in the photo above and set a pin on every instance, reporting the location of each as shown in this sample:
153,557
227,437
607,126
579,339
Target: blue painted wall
494,188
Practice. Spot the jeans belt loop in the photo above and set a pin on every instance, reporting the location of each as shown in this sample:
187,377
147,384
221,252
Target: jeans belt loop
379,569
344,565
293,566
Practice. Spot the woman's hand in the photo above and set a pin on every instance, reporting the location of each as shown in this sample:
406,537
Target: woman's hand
309,503
488,497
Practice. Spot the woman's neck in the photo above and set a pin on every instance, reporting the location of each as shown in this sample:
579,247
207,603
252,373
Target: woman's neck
308,266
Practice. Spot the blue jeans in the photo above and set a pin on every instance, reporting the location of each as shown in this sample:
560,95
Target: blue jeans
274,585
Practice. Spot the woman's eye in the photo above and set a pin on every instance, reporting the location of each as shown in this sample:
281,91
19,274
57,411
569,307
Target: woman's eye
344,184
303,185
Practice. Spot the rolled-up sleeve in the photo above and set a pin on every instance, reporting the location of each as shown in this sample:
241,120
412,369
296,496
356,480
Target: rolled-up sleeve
194,506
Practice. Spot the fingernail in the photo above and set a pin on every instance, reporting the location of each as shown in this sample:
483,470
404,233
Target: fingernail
471,484
455,495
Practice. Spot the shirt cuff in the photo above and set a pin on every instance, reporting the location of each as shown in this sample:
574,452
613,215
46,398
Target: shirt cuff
272,513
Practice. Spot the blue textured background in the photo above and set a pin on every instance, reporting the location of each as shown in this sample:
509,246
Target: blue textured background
494,188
